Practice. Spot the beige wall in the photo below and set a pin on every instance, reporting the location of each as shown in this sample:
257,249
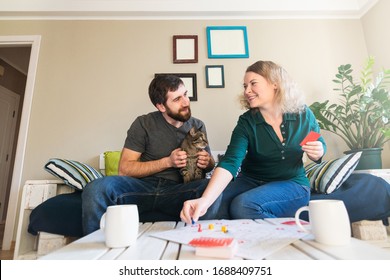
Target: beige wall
376,29
92,77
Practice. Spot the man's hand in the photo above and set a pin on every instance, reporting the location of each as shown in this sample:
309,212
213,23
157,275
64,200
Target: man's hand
203,159
130,164
178,158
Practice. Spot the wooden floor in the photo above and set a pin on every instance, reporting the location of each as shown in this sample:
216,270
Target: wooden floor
5,255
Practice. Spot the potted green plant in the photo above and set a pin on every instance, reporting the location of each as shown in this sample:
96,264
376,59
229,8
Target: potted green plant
361,118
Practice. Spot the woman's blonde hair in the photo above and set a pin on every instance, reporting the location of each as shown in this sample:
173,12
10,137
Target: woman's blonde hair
288,95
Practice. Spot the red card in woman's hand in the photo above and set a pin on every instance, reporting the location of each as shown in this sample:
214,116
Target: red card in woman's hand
312,136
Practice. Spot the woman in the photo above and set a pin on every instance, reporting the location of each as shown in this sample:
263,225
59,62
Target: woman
266,145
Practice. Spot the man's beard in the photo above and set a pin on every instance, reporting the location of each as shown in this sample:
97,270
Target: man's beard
179,116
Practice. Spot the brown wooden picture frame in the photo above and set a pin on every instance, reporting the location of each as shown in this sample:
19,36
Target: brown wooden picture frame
185,49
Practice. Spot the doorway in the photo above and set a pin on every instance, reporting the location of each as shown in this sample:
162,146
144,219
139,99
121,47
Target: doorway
9,119
32,42
14,61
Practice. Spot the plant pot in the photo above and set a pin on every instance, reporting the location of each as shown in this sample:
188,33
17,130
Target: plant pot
371,158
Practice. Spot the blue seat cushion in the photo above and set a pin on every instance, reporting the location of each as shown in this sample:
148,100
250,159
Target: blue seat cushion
62,215
366,197
59,215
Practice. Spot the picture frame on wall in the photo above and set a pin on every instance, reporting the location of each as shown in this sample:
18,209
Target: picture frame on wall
185,49
215,77
227,42
189,80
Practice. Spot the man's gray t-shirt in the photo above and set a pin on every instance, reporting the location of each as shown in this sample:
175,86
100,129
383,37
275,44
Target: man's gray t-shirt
153,137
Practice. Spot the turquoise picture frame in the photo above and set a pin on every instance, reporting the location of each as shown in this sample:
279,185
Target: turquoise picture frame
227,42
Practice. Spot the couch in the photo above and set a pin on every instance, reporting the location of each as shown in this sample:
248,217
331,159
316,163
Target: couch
366,197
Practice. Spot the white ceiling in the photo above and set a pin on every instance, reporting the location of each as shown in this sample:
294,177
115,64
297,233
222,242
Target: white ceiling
183,9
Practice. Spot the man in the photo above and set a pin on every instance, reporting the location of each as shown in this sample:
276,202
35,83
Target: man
149,168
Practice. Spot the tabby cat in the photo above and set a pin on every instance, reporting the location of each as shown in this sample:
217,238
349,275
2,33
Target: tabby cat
193,142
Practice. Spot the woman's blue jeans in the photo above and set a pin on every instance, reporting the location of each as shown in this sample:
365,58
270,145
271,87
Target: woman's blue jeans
150,194
247,198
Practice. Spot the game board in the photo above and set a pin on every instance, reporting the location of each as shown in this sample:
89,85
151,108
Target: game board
255,240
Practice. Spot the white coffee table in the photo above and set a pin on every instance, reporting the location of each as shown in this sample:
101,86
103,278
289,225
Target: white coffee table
92,247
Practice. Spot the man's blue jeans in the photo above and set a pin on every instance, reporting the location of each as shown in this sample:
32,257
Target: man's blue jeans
150,194
247,198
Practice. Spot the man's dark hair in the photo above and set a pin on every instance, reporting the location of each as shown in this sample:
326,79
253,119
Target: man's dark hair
160,86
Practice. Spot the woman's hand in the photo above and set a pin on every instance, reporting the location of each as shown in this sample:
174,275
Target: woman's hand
193,209
314,150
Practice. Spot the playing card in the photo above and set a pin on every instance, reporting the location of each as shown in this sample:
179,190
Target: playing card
312,136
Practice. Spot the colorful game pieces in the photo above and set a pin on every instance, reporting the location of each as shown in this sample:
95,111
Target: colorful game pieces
224,229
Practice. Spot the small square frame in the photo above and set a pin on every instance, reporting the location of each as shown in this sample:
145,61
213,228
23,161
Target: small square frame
189,80
215,77
185,49
227,42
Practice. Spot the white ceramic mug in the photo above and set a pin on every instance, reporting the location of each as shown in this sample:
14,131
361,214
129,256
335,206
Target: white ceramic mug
329,221
120,225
